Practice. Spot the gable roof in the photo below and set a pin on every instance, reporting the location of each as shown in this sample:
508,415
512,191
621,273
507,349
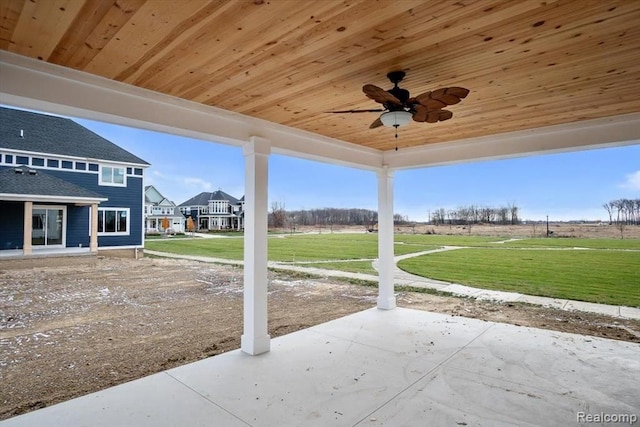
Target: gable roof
152,195
41,133
203,198
24,183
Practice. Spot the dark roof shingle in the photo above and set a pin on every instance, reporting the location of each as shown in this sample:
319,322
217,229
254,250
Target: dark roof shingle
203,198
41,133
26,181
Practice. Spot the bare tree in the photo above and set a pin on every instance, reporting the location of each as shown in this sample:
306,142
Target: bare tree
513,212
503,215
627,212
609,210
278,215
621,225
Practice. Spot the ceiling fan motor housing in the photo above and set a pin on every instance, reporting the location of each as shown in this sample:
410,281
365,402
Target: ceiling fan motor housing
402,94
403,97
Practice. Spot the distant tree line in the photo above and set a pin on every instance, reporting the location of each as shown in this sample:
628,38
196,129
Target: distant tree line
623,211
279,217
472,214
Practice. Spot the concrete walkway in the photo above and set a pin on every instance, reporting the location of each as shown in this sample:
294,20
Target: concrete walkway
402,278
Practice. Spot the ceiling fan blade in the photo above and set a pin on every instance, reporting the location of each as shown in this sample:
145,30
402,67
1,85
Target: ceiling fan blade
380,95
421,98
460,92
426,99
450,95
421,113
440,98
378,110
444,96
444,115
376,123
434,104
433,116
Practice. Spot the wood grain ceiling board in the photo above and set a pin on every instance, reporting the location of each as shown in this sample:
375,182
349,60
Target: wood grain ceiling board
527,63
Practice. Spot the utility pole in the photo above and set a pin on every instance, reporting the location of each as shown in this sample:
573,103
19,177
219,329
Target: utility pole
547,225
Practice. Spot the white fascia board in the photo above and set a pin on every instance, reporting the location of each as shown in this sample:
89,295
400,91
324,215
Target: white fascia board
38,85
589,134
51,199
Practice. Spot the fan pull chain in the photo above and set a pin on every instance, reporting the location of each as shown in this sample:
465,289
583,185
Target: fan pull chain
396,127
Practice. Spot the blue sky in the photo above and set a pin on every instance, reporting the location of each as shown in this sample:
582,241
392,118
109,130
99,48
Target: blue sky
564,186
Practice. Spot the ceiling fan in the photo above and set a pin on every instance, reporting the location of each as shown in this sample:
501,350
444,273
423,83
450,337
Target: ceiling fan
400,108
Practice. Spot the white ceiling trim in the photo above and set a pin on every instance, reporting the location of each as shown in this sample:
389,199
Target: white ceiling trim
598,133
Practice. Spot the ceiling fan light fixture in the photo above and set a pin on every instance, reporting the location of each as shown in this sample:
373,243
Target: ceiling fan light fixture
395,119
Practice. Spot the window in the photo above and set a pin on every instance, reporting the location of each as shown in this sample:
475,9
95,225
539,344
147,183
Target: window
52,163
113,221
137,171
8,158
48,225
110,175
37,161
93,167
81,166
22,160
66,164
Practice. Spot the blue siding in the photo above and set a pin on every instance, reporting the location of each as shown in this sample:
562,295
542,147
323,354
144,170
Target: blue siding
77,226
11,220
119,197
11,214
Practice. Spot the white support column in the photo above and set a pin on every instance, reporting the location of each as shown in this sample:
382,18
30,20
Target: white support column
255,339
27,228
93,236
386,294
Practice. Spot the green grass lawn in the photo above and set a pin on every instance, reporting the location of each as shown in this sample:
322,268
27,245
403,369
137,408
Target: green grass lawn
443,240
216,248
162,236
608,273
601,276
291,248
575,243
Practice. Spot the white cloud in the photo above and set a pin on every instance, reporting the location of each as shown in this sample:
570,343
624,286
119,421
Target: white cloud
632,181
197,183
177,188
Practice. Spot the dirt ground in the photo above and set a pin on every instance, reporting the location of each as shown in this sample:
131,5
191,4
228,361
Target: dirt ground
69,331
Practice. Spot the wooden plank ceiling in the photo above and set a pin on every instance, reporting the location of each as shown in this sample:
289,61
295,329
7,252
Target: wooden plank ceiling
527,63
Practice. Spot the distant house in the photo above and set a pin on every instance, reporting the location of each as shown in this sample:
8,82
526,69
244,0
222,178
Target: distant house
62,187
158,210
215,211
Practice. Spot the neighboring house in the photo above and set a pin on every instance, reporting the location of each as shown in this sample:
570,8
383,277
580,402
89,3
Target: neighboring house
62,186
158,210
215,211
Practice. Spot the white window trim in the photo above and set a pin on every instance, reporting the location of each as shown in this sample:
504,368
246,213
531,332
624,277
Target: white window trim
112,184
111,233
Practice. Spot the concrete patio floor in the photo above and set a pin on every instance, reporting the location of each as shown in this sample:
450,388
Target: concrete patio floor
381,368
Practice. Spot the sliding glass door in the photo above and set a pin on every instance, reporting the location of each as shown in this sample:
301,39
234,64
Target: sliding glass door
48,226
